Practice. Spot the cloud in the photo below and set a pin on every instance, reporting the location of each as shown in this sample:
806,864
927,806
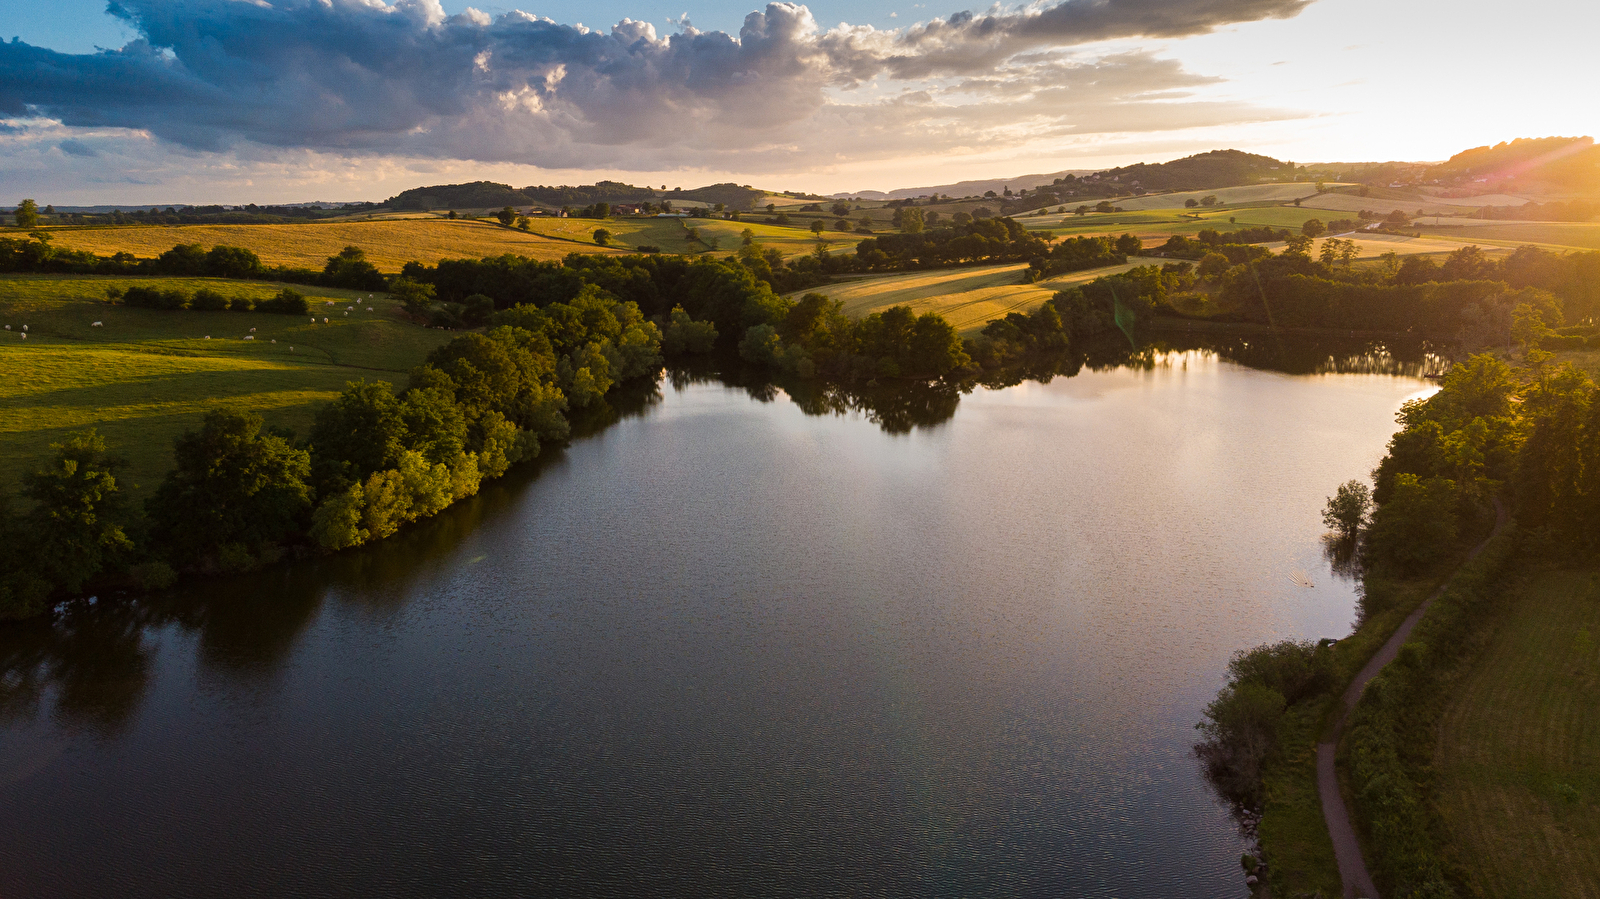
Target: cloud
74,147
365,77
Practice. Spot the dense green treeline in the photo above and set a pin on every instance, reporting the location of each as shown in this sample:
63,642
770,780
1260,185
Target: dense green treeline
241,496
1529,438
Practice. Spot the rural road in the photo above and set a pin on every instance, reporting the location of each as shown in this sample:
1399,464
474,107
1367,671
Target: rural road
1346,848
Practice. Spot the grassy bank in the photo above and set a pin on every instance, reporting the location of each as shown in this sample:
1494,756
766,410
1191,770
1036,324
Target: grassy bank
1518,761
146,376
1294,836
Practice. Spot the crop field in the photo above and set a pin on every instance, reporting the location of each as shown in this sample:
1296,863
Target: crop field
967,297
627,234
1518,764
148,375
1242,195
791,240
1551,235
389,244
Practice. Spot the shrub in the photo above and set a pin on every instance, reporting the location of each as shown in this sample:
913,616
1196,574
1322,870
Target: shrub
208,300
287,302
155,298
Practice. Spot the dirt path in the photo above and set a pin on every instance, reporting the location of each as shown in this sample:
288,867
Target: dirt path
1346,847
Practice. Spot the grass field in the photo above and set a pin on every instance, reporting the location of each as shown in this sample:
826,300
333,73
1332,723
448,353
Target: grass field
389,244
670,234
791,241
147,375
1518,762
1552,235
967,297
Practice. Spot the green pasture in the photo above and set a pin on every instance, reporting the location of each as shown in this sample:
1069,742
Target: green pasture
1517,772
968,298
147,375
1550,235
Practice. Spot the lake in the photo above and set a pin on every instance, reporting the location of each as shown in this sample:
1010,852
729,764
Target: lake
723,647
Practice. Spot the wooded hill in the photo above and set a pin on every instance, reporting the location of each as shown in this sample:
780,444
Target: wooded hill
1560,164
489,194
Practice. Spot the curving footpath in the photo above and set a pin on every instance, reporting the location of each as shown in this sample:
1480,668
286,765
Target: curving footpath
1346,847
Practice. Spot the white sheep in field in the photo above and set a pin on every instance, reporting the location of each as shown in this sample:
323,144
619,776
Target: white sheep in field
252,330
8,327
97,324
313,319
274,341
24,327
324,320
24,337
347,308
248,337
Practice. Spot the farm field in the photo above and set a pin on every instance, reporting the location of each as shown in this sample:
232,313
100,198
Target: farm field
148,375
670,234
967,297
1242,195
1518,762
1551,235
791,240
1344,202
389,244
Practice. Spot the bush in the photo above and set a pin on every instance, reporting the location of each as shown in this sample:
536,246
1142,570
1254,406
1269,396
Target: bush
155,298
287,302
208,300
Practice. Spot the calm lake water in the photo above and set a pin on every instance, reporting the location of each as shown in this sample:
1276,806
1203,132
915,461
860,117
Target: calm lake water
721,647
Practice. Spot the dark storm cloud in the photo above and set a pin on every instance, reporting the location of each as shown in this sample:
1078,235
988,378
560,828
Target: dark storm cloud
363,76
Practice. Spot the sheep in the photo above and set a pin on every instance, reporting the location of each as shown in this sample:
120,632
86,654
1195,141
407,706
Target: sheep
249,337
8,327
208,336
252,330
97,324
313,319
274,341
349,308
24,327
24,337
324,319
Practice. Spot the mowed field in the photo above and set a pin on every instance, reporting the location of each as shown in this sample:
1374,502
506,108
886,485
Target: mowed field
1552,235
1518,763
388,244
148,375
968,298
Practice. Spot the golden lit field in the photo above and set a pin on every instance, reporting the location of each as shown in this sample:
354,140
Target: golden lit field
389,244
148,375
1551,235
791,240
968,298
1241,195
1518,764
670,234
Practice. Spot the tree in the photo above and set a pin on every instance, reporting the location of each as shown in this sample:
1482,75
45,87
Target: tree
1313,228
76,526
27,214
1208,201
415,295
602,237
1347,510
909,220
843,225
232,485
360,432
1129,245
351,270
1191,203
840,209
602,210
506,216
817,227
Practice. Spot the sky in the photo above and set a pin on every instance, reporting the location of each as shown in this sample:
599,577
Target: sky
235,101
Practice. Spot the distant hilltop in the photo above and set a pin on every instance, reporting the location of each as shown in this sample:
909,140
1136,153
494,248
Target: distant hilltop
1203,171
489,194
